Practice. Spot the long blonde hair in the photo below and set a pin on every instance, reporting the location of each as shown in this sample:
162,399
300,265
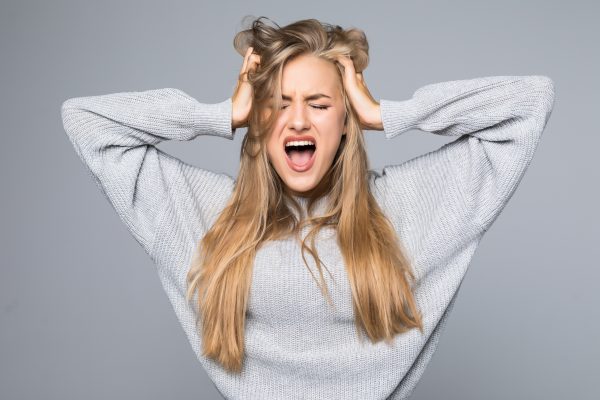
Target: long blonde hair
221,270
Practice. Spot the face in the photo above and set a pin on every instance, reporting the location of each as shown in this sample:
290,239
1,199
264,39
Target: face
310,123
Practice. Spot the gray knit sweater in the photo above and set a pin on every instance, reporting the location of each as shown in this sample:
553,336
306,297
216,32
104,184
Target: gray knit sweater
440,204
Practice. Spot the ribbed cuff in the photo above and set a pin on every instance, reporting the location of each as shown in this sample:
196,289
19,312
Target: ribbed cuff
214,119
398,116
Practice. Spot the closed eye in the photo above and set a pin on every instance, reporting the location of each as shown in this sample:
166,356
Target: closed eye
315,106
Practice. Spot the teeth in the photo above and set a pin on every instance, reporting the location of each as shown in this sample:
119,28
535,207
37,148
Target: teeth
299,143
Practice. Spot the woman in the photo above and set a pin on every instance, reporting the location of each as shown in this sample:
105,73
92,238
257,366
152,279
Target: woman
395,244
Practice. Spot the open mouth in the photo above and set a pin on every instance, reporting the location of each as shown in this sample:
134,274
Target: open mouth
300,155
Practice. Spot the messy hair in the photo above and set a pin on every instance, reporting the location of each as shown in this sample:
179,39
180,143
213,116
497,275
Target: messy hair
260,208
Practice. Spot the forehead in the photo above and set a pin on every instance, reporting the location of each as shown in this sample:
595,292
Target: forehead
307,74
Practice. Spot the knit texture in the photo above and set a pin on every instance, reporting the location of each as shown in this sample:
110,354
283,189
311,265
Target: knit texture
440,204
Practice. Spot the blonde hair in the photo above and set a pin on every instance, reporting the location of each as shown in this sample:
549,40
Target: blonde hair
221,270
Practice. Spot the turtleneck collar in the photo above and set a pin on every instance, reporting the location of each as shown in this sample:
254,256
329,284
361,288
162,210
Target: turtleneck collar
319,207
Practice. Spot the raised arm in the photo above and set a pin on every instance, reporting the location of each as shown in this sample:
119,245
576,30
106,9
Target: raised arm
115,136
498,121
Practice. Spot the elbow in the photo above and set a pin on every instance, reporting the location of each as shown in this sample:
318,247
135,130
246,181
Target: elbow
545,87
541,97
541,105
546,93
71,115
68,106
66,109
549,93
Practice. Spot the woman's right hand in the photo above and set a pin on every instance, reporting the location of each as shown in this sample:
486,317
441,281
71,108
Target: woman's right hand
242,95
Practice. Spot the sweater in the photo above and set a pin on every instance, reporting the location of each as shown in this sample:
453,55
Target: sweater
440,204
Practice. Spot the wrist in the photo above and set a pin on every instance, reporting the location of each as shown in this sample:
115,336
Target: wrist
375,122
378,124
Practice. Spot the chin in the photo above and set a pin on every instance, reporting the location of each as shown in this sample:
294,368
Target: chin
300,187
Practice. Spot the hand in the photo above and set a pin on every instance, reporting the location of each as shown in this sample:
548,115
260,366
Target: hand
367,109
242,95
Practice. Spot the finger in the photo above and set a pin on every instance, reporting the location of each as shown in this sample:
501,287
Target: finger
344,59
253,62
348,64
246,58
350,75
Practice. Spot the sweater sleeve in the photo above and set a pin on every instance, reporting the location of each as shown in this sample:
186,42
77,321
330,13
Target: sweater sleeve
115,136
498,122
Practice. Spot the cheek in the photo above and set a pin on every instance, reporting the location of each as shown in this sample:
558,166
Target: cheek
330,122
331,145
274,145
270,150
273,150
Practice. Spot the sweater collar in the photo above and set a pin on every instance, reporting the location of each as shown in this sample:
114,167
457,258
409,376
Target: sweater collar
319,207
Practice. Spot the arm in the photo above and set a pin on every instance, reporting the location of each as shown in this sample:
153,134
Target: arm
498,121
115,136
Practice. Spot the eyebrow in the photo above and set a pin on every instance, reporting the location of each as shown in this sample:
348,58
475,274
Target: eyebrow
311,97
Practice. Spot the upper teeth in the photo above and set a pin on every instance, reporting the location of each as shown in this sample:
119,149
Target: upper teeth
299,143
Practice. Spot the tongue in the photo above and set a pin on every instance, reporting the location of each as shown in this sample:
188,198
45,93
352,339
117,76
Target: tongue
300,157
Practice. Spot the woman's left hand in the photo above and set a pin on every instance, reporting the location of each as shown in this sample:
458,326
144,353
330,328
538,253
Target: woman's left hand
367,109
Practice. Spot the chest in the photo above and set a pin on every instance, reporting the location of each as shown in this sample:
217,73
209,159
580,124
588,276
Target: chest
285,290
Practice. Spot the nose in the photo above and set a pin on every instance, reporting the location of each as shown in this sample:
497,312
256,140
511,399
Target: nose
298,118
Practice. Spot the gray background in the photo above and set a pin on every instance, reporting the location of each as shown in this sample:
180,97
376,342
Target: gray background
82,312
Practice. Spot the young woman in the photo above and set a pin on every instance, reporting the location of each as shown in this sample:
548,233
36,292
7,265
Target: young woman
231,254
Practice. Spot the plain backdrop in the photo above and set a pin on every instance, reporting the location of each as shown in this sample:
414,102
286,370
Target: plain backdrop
82,312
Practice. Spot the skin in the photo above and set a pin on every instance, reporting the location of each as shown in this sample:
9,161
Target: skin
321,118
